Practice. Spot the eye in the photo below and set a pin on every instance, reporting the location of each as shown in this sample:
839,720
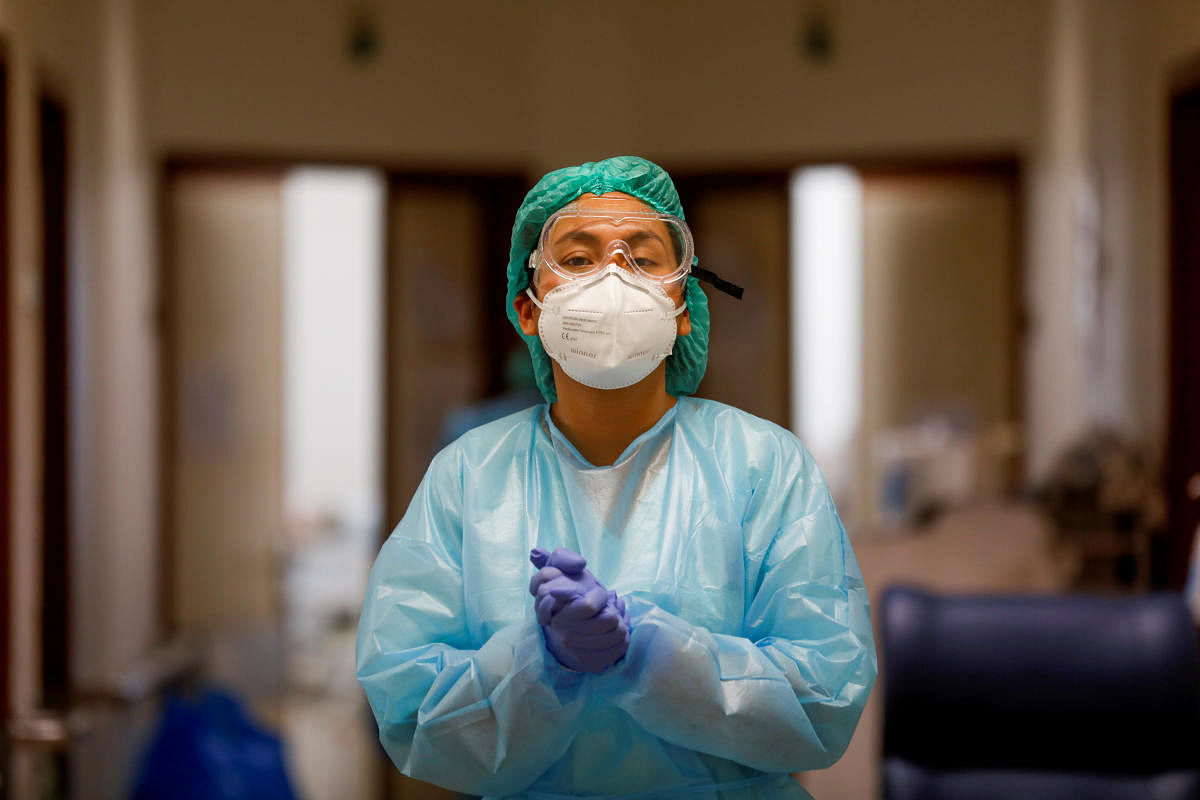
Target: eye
579,262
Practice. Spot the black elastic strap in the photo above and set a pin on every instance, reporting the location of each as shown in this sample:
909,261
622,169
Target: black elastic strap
719,283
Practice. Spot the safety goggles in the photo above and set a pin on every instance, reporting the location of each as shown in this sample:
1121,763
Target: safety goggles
576,243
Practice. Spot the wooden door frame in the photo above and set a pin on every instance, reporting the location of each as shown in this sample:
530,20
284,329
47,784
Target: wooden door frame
6,418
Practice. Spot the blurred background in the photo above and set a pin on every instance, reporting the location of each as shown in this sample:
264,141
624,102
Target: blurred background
253,260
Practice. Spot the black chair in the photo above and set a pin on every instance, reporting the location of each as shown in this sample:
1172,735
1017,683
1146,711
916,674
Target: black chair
1041,698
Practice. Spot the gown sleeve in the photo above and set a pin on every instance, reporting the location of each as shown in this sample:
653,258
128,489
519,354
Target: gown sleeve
481,718
786,695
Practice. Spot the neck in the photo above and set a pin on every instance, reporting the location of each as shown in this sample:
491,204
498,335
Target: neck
602,422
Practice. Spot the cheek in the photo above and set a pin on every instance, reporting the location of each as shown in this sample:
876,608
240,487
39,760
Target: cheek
550,280
546,283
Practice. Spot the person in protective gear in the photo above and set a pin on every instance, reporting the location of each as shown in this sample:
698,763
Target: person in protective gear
626,591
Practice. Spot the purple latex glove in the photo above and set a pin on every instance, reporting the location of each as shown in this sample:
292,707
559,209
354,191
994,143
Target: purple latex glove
586,626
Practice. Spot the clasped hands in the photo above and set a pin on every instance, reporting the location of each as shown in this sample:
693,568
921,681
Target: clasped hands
586,626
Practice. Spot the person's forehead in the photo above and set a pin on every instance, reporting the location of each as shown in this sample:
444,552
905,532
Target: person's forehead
610,201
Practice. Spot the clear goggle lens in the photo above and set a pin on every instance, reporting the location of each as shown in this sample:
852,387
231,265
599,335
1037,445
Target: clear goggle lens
576,243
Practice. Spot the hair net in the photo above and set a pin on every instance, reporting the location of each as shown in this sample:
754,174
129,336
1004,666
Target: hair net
647,182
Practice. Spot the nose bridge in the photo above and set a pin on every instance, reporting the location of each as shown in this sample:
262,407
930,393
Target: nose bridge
618,252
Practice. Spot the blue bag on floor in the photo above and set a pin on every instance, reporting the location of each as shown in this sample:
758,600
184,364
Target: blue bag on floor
209,749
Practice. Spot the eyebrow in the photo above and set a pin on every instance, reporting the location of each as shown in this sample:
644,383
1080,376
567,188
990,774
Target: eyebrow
579,235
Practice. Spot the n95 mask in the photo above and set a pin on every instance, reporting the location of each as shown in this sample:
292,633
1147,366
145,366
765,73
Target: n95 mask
607,330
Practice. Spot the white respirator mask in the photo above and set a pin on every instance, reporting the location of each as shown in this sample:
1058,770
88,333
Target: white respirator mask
607,330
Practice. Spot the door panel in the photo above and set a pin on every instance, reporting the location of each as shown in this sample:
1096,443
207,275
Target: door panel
940,312
56,433
938,305
225,398
447,334
1183,432
435,240
741,231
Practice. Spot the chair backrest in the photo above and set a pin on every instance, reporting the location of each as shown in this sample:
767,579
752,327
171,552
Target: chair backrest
1039,696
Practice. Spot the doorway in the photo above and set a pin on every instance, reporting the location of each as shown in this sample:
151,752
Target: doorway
320,322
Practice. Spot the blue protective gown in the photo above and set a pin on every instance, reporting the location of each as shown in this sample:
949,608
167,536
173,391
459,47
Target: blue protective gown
751,653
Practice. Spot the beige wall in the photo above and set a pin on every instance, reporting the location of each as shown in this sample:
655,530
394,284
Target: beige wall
115,551
113,409
547,83
1102,141
86,52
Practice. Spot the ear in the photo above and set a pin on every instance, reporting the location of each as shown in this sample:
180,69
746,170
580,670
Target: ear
527,314
683,323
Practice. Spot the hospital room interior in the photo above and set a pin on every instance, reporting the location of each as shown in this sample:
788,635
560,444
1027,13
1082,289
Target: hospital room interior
253,259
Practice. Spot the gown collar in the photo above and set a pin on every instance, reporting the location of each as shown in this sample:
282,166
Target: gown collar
658,430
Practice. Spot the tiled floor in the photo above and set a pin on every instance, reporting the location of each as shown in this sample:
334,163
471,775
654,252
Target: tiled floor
325,722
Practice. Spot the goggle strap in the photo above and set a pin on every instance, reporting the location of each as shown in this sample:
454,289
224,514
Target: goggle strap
718,283
529,292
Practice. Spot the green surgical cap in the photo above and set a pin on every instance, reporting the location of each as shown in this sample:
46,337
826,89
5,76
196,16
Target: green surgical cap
647,182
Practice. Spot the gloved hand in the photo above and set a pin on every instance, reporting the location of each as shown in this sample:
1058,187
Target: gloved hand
586,626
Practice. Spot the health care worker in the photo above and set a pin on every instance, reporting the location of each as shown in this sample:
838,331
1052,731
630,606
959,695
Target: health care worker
627,591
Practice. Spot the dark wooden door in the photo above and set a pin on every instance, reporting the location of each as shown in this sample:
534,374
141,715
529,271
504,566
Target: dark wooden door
56,408
1183,432
740,222
447,335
